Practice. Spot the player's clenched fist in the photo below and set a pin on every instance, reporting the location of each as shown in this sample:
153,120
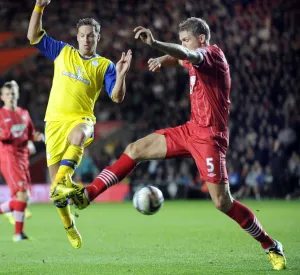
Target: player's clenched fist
154,65
144,34
42,3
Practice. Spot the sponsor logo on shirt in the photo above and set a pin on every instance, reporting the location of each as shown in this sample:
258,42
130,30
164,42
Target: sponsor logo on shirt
17,130
211,175
78,75
192,83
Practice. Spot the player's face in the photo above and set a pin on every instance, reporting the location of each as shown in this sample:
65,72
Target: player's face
189,41
10,97
87,40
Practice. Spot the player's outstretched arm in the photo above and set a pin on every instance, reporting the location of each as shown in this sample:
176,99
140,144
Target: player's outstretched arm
174,50
122,68
35,24
154,64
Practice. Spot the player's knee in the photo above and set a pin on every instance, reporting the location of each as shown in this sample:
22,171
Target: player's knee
22,196
223,203
133,151
77,138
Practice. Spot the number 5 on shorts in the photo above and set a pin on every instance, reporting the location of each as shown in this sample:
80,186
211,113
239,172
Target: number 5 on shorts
210,165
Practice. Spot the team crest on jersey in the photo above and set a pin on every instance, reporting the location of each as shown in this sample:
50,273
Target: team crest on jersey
17,130
192,83
95,63
78,75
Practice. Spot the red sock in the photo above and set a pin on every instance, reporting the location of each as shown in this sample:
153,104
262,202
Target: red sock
110,176
19,215
247,220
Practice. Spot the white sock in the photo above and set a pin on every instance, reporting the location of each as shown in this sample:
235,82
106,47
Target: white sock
273,246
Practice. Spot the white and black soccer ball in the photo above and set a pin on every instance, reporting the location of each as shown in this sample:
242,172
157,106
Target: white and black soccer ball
148,200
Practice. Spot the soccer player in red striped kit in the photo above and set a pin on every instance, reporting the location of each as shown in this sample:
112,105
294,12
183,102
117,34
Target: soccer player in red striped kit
205,137
16,129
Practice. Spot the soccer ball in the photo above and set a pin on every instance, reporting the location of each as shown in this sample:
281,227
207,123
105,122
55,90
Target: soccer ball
148,200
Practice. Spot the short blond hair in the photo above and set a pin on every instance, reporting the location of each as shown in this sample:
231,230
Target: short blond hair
196,26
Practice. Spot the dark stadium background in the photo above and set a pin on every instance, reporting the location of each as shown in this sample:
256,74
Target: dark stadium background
261,42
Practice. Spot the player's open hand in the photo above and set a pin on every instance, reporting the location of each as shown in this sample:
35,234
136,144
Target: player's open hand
154,65
38,136
123,64
42,3
144,34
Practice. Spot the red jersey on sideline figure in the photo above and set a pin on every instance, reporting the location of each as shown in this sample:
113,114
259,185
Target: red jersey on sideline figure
16,128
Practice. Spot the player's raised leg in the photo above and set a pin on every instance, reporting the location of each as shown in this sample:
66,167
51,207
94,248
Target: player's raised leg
150,147
64,212
61,174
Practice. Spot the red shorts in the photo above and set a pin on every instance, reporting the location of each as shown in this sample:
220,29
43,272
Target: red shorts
15,173
205,145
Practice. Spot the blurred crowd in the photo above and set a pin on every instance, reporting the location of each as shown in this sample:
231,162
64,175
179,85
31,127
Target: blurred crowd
262,46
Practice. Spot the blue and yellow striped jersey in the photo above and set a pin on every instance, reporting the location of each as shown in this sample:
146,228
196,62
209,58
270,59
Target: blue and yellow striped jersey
77,80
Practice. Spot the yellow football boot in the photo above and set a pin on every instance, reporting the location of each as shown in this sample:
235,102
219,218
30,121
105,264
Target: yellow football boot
67,189
79,197
276,256
73,235
63,190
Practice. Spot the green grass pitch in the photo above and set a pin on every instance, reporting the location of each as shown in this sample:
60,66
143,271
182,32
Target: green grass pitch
185,237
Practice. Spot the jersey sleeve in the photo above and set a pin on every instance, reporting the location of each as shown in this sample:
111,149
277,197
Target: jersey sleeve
110,78
207,62
213,58
208,59
50,47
